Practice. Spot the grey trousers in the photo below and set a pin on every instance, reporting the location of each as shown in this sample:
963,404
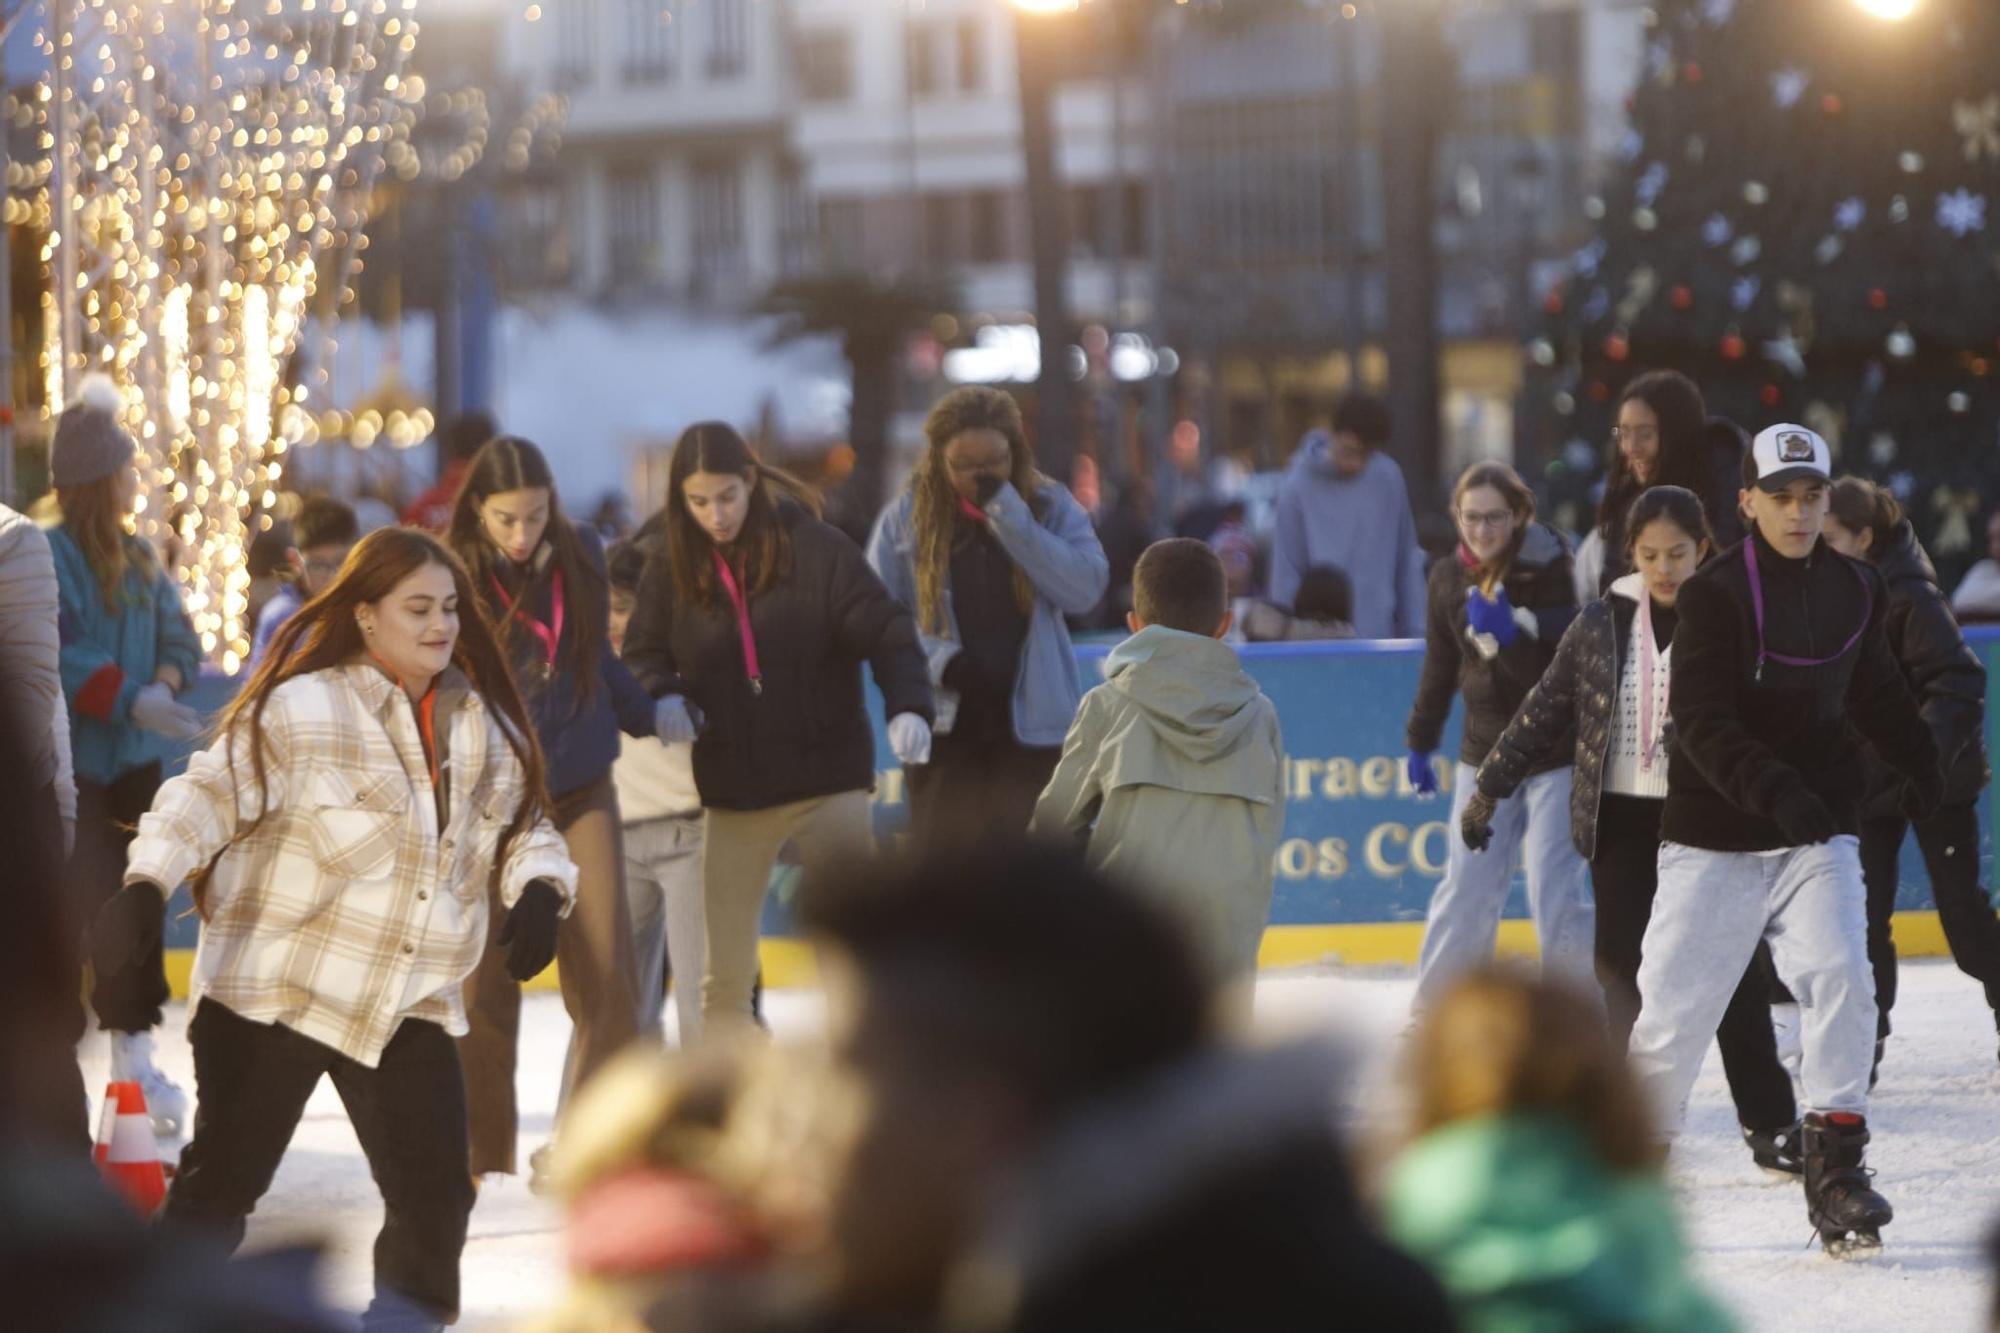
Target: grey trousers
1712,908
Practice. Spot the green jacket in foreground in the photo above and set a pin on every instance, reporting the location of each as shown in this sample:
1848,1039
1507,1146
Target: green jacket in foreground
1529,1233
1175,768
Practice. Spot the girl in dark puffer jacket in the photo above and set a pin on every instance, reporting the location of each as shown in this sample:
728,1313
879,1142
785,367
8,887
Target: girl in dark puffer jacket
1608,683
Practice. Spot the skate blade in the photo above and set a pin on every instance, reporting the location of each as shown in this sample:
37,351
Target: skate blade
1864,1243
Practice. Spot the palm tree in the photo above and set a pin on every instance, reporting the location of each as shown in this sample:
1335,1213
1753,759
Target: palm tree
871,317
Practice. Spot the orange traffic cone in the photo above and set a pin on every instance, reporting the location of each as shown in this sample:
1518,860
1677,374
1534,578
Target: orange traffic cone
126,1151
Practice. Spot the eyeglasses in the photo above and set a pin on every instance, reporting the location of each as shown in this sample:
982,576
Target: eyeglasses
968,468
1498,518
1637,434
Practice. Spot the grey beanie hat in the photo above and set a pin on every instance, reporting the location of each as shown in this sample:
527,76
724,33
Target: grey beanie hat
89,443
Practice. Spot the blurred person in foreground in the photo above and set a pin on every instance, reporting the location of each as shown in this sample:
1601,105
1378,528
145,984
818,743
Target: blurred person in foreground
1532,1188
1174,768
1345,504
1051,1139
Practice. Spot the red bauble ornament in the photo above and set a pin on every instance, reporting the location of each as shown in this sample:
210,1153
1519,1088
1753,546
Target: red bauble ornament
1830,104
1681,297
1553,302
1599,391
1877,299
1617,347
1691,72
1733,347
1770,395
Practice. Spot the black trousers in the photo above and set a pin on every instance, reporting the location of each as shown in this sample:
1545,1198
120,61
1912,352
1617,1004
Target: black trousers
253,1080
976,786
1625,878
107,820
1949,841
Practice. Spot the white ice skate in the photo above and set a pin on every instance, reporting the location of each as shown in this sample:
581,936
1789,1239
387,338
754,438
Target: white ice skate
132,1062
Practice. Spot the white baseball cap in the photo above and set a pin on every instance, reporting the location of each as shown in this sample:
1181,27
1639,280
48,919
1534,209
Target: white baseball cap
1785,453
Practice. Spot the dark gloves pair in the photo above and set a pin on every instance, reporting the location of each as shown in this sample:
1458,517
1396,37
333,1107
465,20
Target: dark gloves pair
1805,821
1475,822
127,929
529,934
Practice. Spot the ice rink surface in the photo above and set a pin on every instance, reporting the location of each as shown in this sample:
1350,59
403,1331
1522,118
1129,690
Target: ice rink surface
1936,1118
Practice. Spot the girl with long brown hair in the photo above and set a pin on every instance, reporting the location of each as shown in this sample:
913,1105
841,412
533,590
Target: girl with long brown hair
1498,607
752,622
127,653
541,582
373,787
990,555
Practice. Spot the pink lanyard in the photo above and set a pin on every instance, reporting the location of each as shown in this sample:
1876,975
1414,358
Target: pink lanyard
742,624
551,633
1649,739
1757,610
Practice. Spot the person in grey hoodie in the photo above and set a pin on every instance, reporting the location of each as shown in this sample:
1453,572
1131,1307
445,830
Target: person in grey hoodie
1175,768
1344,504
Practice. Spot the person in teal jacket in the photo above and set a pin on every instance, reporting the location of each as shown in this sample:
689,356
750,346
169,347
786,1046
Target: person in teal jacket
1531,1190
127,650
989,555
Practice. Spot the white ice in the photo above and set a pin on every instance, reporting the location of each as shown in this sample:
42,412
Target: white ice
1937,1150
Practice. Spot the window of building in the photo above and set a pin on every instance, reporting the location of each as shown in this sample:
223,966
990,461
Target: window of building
728,37
826,65
718,222
989,217
842,233
971,55
795,223
634,203
649,41
576,43
534,236
926,72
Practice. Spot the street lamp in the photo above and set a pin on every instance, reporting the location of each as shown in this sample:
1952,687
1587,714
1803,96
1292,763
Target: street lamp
1889,9
1037,46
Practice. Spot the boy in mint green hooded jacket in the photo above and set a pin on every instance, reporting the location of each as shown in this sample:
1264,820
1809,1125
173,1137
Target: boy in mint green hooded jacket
1174,767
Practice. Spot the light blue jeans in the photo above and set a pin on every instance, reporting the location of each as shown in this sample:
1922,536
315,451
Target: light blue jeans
1712,908
1464,917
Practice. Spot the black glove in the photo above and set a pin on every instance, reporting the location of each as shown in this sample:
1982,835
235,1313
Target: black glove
1919,798
1805,820
1475,824
529,934
128,927
986,487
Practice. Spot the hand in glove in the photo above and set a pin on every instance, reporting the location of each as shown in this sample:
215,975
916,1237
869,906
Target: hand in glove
910,738
1919,798
1475,824
1422,780
156,710
128,928
1805,821
529,933
675,720
1493,616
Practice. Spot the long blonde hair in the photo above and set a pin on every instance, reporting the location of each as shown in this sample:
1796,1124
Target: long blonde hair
935,525
93,516
1501,1041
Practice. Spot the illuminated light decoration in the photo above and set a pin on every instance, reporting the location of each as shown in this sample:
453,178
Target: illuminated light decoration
209,172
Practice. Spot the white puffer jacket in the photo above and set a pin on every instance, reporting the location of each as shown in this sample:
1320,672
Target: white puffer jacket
30,649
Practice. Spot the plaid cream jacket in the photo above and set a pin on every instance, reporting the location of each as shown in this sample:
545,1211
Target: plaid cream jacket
347,909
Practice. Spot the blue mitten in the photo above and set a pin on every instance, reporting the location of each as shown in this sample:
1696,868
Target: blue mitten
1491,616
1422,780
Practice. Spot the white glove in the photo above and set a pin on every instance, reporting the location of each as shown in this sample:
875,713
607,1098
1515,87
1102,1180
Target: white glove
673,720
1529,625
910,738
156,710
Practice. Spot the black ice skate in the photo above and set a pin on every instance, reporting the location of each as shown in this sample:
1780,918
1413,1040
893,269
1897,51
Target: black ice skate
1844,1210
1777,1152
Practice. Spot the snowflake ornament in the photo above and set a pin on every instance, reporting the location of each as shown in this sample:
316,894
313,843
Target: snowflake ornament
1788,85
1746,250
1596,306
1978,123
1785,350
1717,230
1743,292
1647,189
1659,58
1882,449
1961,212
1850,213
1828,249
1585,261
1631,144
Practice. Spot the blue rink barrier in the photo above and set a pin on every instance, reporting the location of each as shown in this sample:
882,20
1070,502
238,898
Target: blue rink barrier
1361,851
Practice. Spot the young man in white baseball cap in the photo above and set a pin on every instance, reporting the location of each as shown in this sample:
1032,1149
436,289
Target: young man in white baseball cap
1780,646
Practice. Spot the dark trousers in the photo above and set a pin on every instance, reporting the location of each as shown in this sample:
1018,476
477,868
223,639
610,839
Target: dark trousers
253,1080
976,786
1949,841
41,982
1625,876
107,818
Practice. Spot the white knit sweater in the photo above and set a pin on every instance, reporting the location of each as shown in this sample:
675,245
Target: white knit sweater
1624,773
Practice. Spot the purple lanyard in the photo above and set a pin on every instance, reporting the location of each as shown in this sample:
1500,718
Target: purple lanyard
1757,609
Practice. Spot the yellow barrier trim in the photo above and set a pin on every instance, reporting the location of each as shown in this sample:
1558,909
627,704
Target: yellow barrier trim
788,963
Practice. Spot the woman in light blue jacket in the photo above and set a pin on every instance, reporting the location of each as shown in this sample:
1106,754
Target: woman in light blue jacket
989,555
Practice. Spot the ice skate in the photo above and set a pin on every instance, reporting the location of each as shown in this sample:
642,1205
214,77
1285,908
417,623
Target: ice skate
1776,1151
132,1060
1846,1212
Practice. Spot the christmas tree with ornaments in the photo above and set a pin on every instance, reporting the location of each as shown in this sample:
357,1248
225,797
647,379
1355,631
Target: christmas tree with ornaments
1804,217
